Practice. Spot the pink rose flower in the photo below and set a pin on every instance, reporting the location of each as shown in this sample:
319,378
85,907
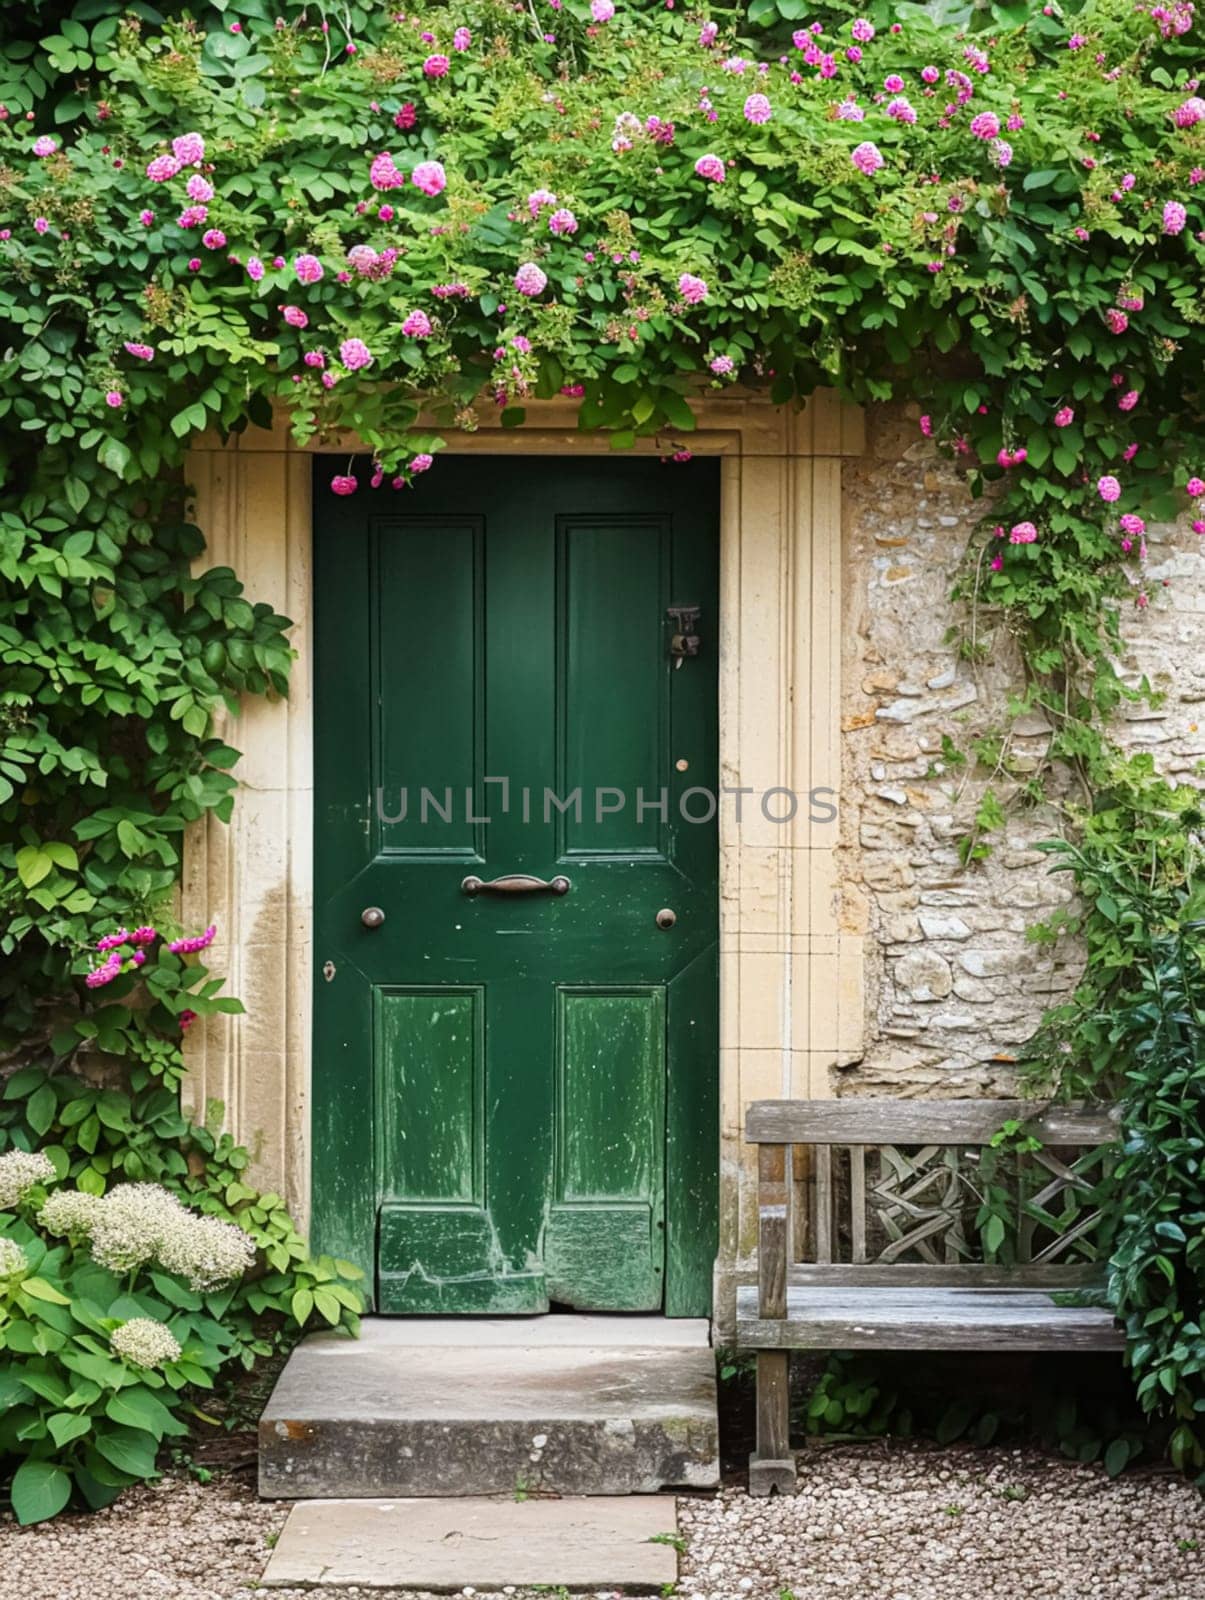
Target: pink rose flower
602,10
711,168
1022,533
345,483
1174,217
189,149
308,269
114,398
162,168
429,177
383,173
986,125
355,354
867,158
417,325
562,221
1108,488
143,352
422,463
436,66
757,108
692,289
529,280
45,146
1064,417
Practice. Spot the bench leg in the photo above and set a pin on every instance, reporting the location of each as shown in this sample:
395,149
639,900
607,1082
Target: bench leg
772,1466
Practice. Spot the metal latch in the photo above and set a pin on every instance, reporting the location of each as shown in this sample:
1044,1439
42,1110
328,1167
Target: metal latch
685,642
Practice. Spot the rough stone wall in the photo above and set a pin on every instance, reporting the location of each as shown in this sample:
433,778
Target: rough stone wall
954,988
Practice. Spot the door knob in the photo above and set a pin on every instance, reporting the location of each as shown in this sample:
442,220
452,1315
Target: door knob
372,916
666,918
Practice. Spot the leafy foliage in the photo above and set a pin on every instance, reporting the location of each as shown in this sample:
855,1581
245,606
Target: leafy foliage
104,1110
83,1411
1136,1030
872,1394
1018,246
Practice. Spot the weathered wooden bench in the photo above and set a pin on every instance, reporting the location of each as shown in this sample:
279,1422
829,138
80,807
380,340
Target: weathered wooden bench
882,1253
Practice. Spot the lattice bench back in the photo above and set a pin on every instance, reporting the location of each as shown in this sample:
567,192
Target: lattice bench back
881,1192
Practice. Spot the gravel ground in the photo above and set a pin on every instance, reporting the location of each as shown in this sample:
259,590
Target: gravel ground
882,1522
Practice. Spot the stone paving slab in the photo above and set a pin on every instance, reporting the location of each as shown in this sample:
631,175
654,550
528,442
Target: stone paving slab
447,1544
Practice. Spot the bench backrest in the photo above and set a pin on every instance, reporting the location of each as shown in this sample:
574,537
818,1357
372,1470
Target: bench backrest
901,1191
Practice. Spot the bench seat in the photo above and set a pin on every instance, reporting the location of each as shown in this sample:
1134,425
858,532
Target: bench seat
855,1318
874,1222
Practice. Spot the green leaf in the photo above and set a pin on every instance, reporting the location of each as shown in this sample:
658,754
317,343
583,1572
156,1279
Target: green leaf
67,1425
39,1289
676,410
39,1491
33,865
138,1408
40,1109
128,1450
327,1306
114,455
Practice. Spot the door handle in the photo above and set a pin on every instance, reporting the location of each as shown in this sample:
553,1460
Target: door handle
515,883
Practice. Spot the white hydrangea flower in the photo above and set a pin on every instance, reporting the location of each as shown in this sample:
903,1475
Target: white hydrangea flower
208,1252
69,1211
19,1171
137,1223
145,1342
130,1224
13,1259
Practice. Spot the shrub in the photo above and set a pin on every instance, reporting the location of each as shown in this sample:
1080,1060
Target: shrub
135,1260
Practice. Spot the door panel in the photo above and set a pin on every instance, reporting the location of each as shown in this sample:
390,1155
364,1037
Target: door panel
606,1227
515,1094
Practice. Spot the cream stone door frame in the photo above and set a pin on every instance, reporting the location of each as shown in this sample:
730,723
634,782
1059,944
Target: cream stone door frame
791,1007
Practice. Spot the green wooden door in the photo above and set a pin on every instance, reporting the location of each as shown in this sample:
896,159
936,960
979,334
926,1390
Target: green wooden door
515,1093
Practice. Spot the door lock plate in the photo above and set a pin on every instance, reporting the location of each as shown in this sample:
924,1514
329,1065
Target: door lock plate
685,641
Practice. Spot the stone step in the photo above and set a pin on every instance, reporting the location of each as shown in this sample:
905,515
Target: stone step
616,1542
565,1405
